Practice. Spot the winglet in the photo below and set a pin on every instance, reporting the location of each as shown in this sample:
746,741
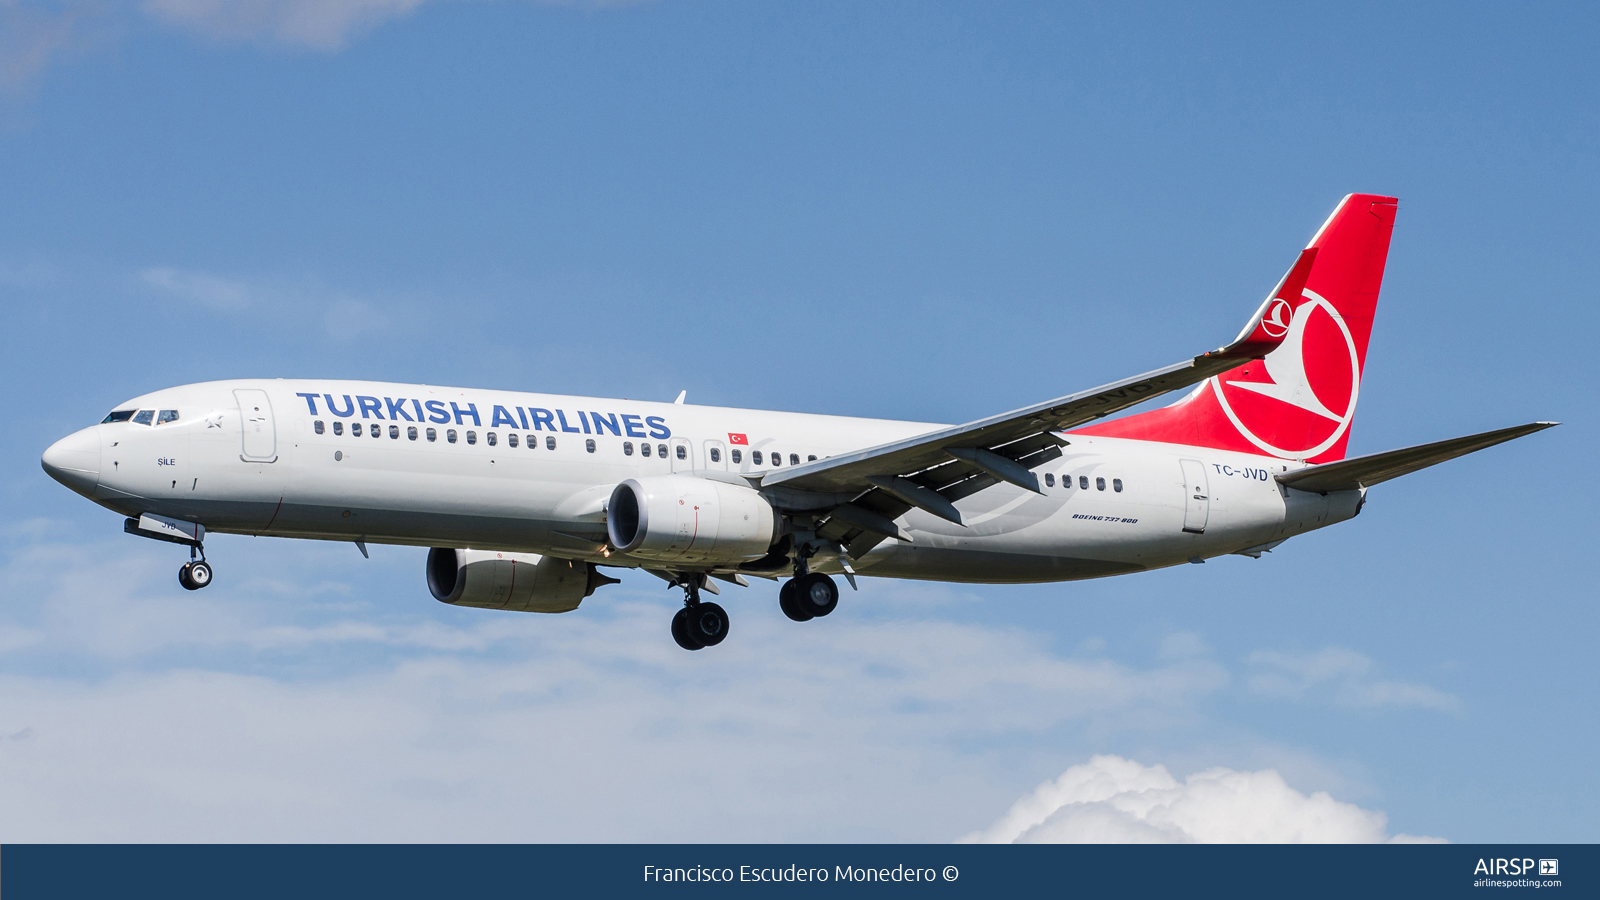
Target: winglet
1271,322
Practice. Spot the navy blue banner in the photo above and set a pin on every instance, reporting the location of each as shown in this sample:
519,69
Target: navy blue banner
277,871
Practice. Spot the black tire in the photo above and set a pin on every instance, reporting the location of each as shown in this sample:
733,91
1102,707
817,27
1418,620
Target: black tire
816,595
199,574
786,602
707,623
680,631
183,578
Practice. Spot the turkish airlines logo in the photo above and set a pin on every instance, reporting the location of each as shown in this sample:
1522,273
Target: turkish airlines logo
1278,318
1299,401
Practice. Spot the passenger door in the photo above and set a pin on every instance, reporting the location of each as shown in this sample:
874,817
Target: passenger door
255,420
716,456
1197,497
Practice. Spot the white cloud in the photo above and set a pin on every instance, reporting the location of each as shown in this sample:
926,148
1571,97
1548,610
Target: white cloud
251,711
198,287
1346,675
318,24
34,35
1114,800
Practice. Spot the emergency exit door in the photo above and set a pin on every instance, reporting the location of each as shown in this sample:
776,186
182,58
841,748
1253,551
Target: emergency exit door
1197,497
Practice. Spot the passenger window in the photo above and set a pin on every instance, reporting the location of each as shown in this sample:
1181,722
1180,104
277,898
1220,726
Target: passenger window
318,427
550,442
492,440
683,452
1099,484
394,432
716,455
472,436
627,448
588,444
533,442
121,415
338,427
1049,480
777,458
1116,485
376,431
433,435
755,457
355,429
1083,482
644,449
144,416
794,459
167,415
450,435
411,432
738,457
811,458
662,450
511,440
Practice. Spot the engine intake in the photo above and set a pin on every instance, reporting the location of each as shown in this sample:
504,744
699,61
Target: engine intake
680,518
524,582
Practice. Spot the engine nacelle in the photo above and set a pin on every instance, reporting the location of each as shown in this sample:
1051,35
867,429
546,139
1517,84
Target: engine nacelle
680,518
525,582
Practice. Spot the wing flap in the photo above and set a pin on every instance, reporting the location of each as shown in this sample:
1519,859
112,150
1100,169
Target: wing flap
1366,471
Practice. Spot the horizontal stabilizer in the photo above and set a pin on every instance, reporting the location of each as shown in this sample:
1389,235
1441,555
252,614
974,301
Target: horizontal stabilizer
1366,471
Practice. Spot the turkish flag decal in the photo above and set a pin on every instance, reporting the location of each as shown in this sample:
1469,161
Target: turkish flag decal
738,439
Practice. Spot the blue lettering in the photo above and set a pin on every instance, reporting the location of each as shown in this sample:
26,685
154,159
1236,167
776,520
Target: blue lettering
397,409
564,425
501,415
633,426
524,417
436,412
601,423
585,420
417,405
370,405
311,401
471,410
542,418
658,427
349,406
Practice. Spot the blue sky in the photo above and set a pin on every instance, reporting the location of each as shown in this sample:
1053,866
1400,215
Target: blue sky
921,211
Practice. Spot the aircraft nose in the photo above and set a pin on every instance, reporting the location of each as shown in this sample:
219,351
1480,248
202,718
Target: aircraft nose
75,461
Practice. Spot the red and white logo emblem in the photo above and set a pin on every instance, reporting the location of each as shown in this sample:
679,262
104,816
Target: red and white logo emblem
1278,318
738,439
1299,401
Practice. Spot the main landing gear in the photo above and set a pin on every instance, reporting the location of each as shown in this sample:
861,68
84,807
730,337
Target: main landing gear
698,624
809,596
196,573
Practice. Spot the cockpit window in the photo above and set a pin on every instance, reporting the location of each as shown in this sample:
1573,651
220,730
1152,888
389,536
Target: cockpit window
144,417
121,415
167,415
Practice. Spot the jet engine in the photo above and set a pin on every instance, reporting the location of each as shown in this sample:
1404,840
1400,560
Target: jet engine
680,518
524,582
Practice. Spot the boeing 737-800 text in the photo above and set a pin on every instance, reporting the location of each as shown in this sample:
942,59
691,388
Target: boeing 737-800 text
525,497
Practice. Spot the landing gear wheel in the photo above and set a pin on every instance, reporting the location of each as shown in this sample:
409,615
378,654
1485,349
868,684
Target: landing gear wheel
680,631
707,623
787,595
194,575
816,595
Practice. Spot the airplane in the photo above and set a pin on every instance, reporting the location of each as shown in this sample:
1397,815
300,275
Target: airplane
522,498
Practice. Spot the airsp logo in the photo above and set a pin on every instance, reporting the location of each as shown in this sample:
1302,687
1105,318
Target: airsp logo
1302,400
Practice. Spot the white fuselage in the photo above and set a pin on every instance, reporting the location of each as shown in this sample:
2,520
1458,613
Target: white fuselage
236,465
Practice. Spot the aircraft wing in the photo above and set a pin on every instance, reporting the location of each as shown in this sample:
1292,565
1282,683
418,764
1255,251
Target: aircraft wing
1366,471
931,471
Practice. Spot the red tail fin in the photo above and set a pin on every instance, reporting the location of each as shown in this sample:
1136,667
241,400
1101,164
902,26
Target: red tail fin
1299,401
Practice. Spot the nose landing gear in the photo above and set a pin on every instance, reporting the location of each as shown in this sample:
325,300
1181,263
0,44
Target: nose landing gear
196,573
